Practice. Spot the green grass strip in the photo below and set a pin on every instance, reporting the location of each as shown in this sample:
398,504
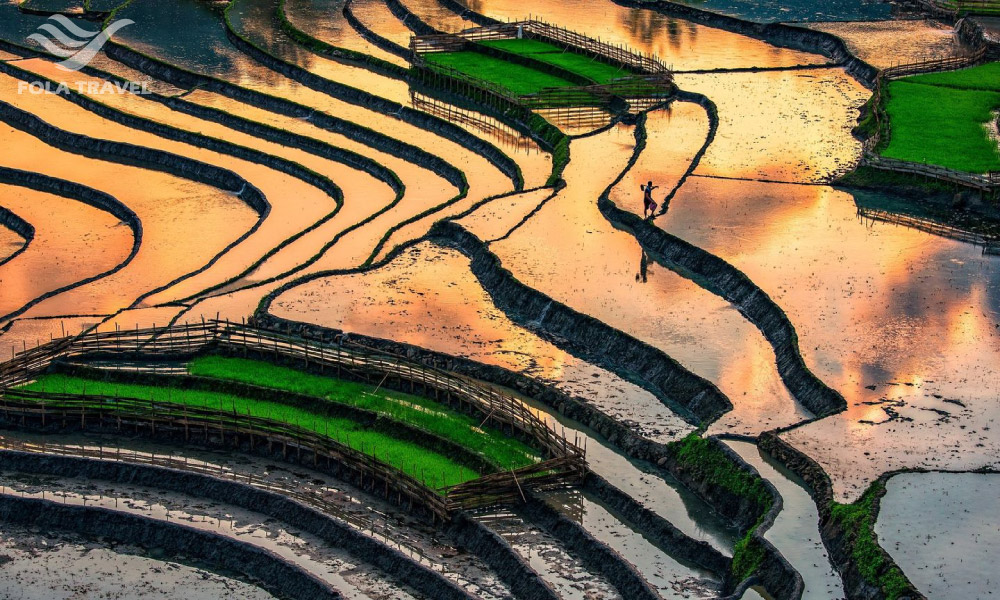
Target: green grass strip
942,126
503,452
519,79
703,458
858,520
413,459
554,55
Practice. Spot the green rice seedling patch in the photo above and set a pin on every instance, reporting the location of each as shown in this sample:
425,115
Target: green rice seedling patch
942,126
554,55
437,470
519,79
499,450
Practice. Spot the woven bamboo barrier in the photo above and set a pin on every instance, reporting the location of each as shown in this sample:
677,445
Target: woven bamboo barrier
534,29
927,225
564,461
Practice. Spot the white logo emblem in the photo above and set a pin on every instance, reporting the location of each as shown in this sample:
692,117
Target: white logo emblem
68,40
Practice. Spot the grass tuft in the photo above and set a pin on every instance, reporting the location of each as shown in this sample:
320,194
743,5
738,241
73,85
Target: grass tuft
858,520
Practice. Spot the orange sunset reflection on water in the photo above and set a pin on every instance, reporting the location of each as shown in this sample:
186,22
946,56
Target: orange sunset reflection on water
904,324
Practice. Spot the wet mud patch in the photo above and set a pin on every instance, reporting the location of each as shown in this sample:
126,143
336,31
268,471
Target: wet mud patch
795,532
324,20
549,558
10,242
307,552
670,579
171,210
571,253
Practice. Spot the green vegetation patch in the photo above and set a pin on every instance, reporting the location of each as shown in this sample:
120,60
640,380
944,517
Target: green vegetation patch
942,125
554,55
984,77
519,79
975,7
748,555
708,462
858,521
419,462
701,456
499,450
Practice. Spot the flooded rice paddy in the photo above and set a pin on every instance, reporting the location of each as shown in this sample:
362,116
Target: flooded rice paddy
883,44
901,322
47,566
940,529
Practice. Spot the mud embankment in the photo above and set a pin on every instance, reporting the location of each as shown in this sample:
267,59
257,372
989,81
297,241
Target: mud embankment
728,282
658,530
744,512
512,569
972,33
467,13
842,542
369,137
259,566
86,195
776,34
449,131
372,37
22,228
332,531
196,139
691,396
597,557
130,154
410,19
712,111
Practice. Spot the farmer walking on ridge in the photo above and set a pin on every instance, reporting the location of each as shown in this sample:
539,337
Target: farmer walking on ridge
648,205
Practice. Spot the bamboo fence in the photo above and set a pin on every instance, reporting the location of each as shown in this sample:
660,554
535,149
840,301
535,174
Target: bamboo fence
563,464
650,76
927,225
618,54
369,526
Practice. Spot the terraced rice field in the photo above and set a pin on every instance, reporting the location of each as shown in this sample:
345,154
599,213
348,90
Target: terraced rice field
744,367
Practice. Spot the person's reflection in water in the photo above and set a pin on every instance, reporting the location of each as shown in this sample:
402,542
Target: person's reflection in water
643,273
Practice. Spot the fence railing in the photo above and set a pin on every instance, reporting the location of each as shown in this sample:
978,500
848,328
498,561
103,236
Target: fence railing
535,29
647,77
968,7
563,464
927,225
487,124
375,525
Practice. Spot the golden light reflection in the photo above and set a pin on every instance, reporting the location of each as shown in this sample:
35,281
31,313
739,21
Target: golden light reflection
680,44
